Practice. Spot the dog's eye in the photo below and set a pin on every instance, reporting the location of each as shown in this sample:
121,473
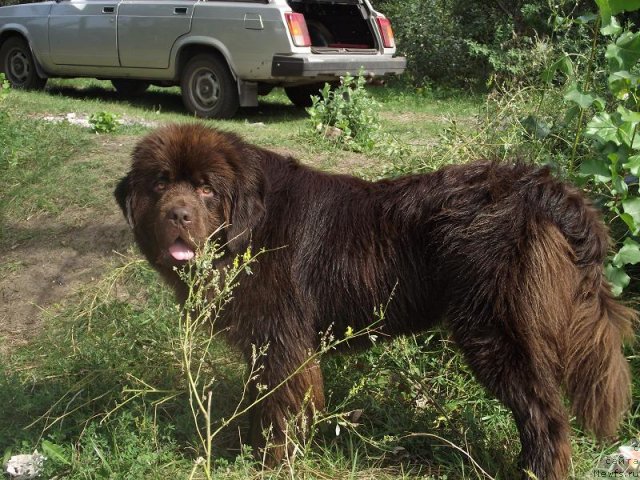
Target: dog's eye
205,190
160,186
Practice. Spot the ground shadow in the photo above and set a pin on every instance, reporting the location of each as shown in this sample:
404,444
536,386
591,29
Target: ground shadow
169,101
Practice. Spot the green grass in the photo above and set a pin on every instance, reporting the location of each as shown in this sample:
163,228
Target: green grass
102,389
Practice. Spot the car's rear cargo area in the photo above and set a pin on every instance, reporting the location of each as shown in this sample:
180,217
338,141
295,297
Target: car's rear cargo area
337,27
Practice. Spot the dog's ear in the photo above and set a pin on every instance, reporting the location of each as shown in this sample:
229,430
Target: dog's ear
124,197
247,206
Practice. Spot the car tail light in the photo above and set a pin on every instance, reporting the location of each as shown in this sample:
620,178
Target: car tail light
298,29
384,25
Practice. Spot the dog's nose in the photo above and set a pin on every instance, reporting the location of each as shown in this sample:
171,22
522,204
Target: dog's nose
180,215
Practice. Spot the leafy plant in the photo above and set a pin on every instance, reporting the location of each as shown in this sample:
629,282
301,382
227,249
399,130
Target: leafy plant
608,118
104,122
4,87
347,114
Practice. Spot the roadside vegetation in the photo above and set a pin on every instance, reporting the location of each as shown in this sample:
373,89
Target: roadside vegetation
119,383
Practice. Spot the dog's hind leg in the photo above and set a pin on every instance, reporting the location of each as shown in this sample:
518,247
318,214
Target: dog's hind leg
511,326
532,392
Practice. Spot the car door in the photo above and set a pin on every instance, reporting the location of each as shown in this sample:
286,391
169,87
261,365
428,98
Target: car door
83,32
147,30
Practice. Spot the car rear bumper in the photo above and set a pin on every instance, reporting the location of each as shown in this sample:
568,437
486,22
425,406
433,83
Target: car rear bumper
336,65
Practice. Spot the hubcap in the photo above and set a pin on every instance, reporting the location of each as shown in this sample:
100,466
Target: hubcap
206,88
19,66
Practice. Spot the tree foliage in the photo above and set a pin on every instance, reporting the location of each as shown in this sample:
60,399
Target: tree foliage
461,43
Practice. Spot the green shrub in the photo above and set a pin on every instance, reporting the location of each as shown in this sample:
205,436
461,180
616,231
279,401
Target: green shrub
611,163
346,115
104,122
474,44
433,41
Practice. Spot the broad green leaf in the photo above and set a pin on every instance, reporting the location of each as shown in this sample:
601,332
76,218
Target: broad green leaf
536,127
584,100
570,114
618,6
628,115
563,65
629,253
596,168
631,206
622,83
633,164
612,28
587,18
603,129
617,278
54,452
612,7
620,187
613,162
628,220
599,103
627,132
605,11
625,52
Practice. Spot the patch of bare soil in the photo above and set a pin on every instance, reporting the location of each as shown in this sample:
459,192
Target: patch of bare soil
48,258
57,259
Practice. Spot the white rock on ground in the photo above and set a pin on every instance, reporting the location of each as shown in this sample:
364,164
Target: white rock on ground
24,467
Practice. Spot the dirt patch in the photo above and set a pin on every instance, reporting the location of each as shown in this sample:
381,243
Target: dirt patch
55,261
47,258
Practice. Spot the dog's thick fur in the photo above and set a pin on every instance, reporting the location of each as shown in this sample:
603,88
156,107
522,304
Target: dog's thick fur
507,257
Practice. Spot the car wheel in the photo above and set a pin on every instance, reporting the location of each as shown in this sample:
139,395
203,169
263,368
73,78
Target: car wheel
208,88
128,87
300,96
19,66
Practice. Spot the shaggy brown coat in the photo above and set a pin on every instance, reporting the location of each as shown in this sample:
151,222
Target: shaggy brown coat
506,256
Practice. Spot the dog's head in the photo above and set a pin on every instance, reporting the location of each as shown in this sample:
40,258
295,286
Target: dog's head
186,183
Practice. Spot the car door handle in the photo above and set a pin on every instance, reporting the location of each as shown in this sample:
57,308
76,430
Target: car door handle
108,9
180,10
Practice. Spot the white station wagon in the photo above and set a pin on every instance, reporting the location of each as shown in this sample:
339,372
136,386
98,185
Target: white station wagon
222,53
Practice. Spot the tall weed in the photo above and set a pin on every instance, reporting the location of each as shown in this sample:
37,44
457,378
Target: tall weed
346,114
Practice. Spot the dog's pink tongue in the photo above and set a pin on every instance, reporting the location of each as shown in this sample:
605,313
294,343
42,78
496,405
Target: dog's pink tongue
180,251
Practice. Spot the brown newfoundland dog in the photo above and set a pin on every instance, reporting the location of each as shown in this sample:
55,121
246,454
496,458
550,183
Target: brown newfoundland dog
505,256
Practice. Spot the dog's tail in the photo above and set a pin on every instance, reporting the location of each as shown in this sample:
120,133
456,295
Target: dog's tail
596,373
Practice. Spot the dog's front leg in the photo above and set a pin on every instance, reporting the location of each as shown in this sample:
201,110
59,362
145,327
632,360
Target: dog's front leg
287,391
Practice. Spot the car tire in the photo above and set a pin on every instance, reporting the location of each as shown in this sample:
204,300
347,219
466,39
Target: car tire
300,96
128,87
208,88
18,65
